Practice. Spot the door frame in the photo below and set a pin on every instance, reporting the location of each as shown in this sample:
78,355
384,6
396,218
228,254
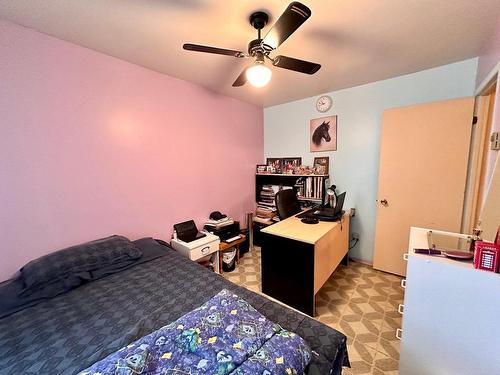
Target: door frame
480,142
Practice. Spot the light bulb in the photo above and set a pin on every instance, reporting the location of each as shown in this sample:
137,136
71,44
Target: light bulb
259,75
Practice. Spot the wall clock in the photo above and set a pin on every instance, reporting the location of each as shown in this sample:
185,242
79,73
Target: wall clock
324,103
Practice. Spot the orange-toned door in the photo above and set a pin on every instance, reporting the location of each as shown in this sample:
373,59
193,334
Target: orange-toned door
423,167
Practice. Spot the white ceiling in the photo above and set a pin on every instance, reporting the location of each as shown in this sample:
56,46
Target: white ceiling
355,41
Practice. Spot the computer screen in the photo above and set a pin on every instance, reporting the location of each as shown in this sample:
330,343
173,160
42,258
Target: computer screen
339,204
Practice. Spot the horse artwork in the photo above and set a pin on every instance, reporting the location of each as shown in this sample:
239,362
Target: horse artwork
324,134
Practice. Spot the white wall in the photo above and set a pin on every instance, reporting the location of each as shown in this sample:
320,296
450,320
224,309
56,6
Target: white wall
354,166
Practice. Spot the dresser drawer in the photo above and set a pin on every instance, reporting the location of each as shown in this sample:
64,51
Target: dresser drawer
203,250
197,249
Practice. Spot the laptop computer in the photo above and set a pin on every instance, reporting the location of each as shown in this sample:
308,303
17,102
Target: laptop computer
187,231
331,214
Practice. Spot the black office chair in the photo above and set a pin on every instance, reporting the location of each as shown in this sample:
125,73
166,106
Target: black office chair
287,203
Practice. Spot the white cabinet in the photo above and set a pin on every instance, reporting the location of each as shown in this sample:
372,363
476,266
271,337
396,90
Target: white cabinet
201,249
451,321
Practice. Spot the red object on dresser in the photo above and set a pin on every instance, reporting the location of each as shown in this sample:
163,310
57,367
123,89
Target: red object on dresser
487,254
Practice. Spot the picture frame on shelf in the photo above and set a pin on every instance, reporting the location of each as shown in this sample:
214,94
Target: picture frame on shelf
289,165
275,164
322,164
261,168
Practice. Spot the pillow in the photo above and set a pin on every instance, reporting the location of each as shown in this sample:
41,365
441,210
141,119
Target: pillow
85,257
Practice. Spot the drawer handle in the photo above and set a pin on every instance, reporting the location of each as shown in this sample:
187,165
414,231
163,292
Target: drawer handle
399,331
403,283
401,309
205,250
405,256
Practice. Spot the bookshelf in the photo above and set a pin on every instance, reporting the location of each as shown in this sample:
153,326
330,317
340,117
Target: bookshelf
310,189
286,180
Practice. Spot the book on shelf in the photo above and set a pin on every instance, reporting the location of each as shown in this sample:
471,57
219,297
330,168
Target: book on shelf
270,205
311,188
265,212
262,220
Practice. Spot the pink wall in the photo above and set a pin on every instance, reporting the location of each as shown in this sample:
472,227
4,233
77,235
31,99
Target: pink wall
91,146
488,60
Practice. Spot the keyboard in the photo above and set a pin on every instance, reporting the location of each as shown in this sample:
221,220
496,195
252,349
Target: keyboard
232,239
306,213
324,212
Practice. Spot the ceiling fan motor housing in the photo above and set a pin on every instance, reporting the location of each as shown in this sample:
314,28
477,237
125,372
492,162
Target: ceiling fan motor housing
259,19
255,47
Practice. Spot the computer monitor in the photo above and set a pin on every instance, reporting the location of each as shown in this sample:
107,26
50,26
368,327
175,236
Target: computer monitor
339,204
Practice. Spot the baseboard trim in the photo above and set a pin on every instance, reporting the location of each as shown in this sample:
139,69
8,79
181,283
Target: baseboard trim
361,261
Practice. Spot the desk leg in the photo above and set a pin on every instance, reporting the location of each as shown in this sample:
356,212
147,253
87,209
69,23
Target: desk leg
217,266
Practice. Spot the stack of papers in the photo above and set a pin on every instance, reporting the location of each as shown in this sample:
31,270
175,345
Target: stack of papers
219,223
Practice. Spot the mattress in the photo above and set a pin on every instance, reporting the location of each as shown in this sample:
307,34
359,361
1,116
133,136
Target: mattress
72,331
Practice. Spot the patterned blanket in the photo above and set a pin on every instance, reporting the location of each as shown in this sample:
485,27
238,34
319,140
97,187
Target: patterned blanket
225,335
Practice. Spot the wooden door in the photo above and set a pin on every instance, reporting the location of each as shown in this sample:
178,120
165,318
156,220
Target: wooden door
423,166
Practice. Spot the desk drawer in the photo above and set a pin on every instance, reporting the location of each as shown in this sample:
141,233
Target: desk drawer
203,250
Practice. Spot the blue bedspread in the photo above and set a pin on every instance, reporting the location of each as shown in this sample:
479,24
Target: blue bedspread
225,335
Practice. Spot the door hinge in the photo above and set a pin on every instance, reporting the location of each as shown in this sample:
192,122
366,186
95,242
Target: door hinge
474,120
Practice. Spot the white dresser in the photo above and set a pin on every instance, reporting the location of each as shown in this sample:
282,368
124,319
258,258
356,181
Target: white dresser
200,249
451,316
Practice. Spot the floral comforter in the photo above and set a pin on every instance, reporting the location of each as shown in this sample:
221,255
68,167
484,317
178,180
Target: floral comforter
225,335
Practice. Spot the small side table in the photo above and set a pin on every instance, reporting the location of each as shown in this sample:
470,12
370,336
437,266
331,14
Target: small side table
225,246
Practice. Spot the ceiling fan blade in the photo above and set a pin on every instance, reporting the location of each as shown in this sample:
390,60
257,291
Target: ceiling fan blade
208,49
301,66
242,79
291,19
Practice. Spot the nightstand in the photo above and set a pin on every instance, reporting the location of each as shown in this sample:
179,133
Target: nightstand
200,249
225,246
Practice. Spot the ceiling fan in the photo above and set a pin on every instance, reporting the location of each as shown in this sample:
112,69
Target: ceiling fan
259,49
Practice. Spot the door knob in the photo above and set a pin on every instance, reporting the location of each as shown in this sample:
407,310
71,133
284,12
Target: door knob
384,202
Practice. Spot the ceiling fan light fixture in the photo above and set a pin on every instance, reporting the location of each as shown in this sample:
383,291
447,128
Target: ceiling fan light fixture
259,75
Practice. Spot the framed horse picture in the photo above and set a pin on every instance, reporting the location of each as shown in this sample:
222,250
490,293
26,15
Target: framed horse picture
323,134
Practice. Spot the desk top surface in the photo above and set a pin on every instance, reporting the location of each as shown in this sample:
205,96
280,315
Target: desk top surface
227,245
294,229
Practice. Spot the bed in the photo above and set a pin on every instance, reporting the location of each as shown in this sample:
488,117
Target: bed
70,332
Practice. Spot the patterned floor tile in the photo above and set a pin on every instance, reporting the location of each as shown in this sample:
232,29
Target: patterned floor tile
356,300
385,363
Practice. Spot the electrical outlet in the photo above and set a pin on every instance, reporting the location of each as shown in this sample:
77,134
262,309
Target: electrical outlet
355,236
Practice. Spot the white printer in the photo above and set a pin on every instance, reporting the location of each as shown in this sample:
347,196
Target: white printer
197,246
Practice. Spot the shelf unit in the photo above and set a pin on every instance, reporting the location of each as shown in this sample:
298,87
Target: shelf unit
287,180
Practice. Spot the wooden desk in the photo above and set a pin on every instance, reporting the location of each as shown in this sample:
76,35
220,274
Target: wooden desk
298,258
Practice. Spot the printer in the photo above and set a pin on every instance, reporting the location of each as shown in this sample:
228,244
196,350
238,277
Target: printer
224,232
